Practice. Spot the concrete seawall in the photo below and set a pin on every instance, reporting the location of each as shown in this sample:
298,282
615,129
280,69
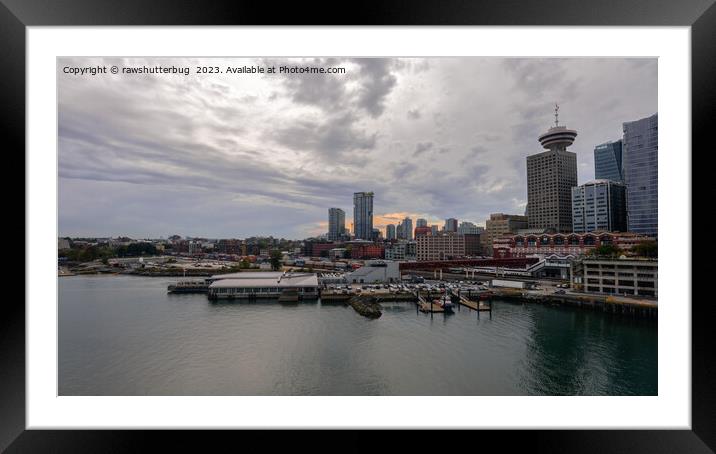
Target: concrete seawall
604,303
369,304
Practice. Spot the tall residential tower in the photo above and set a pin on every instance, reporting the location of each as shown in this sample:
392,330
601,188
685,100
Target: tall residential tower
363,215
336,223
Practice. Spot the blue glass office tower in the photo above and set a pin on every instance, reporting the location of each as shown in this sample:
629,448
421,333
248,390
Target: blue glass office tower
599,205
640,170
608,161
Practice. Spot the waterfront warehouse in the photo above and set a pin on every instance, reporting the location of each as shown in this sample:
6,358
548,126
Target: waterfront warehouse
252,285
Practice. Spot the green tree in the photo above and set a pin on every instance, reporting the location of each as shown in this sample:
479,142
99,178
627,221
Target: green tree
648,249
606,250
275,260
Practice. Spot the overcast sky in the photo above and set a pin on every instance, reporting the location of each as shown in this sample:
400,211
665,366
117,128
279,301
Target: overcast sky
237,155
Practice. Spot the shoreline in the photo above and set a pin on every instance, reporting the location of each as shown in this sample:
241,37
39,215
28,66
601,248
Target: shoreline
638,308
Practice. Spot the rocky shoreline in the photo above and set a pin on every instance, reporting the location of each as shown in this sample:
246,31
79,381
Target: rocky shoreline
366,306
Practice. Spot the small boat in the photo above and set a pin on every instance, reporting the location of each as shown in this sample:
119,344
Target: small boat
445,303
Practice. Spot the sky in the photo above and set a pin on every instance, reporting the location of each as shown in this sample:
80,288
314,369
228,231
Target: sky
234,155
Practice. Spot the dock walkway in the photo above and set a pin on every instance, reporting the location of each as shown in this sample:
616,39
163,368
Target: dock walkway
474,305
426,306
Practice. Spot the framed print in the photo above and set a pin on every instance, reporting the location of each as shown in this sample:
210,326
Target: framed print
447,217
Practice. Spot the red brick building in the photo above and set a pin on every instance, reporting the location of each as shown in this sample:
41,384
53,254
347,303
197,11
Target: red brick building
563,244
315,249
367,251
423,231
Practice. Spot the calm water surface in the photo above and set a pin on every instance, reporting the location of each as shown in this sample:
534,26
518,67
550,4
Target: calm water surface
124,335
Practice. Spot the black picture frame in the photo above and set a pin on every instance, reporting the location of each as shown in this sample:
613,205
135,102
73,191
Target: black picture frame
16,15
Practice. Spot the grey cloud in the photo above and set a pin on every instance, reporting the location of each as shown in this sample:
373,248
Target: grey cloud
478,149
334,138
403,170
422,147
377,84
374,83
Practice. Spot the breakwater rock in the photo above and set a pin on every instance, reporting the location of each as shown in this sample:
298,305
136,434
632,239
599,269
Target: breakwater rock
366,306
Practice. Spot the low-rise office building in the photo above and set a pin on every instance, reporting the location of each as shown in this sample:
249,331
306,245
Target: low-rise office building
63,243
500,224
403,250
443,246
374,271
337,253
248,285
637,277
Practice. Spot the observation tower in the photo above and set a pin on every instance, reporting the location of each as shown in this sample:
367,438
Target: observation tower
551,175
557,137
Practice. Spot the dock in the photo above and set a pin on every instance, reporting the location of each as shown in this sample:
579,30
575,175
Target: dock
475,305
428,307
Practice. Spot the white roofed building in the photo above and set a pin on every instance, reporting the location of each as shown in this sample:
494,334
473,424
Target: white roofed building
250,285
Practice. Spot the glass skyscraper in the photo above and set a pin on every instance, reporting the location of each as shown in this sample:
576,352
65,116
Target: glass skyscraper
336,223
407,229
608,161
599,205
640,170
450,225
363,215
390,232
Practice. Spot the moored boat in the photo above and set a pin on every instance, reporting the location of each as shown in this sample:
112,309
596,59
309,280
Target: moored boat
445,303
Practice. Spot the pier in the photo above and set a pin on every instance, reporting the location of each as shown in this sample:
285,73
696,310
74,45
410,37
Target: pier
476,300
428,306
475,305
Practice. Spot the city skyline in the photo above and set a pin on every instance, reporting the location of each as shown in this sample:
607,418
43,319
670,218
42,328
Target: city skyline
432,138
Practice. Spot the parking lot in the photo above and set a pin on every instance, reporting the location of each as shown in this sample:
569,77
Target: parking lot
405,288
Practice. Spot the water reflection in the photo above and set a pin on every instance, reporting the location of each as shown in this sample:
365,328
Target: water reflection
578,352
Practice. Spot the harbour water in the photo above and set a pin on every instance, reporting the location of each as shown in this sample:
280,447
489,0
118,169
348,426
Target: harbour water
124,335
